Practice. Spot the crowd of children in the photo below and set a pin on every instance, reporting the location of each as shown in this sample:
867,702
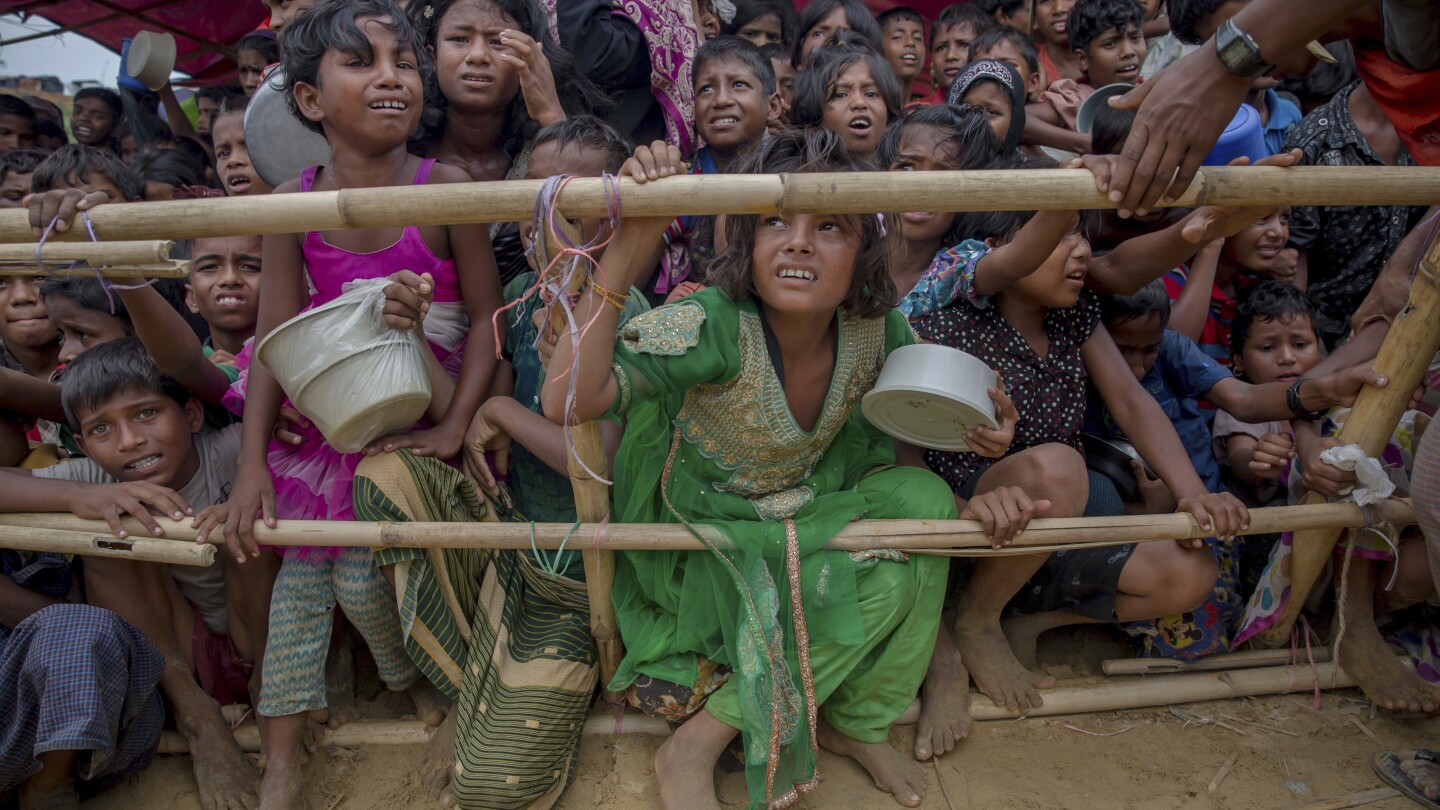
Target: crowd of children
726,358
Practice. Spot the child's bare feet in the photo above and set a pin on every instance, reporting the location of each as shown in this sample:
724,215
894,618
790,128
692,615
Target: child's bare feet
438,763
685,764
1366,657
283,787
893,772
996,670
944,701
223,773
431,706
53,788
1023,635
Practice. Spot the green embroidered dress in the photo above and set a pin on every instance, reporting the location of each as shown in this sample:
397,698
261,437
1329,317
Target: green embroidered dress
710,441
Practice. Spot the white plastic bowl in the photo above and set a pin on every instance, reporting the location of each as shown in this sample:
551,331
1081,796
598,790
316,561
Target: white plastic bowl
930,395
151,58
342,372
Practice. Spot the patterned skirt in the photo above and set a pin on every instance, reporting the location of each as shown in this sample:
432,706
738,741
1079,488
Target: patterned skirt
509,643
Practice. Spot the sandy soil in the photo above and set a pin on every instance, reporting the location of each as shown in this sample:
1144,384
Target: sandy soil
1162,761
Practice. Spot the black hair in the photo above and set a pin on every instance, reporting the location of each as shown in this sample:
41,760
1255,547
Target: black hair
741,50
775,51
148,130
169,166
997,7
748,10
1007,78
267,47
588,132
191,147
996,34
20,161
1110,129
335,26
45,109
1267,301
1002,226
14,105
1090,19
899,14
45,128
959,14
106,95
76,162
967,136
231,105
1148,301
87,293
1324,80
110,369
220,93
816,82
1186,15
578,94
857,18
872,291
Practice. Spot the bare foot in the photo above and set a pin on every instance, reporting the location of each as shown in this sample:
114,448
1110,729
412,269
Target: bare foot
223,773
439,761
996,670
1023,634
53,788
893,772
685,764
1424,774
283,787
431,706
339,685
944,701
1366,657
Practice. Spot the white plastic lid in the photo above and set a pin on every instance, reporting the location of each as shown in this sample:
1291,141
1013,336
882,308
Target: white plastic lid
924,417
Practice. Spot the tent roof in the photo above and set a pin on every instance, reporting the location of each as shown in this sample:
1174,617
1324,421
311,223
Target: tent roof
205,30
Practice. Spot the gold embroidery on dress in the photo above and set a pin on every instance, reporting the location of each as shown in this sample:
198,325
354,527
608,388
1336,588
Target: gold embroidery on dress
622,381
745,426
670,330
782,505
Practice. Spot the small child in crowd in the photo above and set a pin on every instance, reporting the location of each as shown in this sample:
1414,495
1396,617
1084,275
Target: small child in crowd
903,39
16,167
951,36
822,19
763,22
779,57
95,118
17,124
851,91
1108,39
233,169
1003,43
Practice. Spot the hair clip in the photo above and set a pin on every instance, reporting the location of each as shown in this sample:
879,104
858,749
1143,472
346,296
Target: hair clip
429,11
881,219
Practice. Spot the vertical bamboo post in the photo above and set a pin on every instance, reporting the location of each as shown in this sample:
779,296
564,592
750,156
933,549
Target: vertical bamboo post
592,502
1413,339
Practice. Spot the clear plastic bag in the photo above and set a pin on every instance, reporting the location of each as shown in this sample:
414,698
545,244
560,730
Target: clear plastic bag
346,371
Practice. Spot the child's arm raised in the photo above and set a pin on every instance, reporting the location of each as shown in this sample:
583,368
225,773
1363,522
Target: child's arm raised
22,393
1192,305
282,296
173,344
1141,418
636,240
1023,254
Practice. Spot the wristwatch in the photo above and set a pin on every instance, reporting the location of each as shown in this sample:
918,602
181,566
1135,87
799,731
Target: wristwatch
1239,53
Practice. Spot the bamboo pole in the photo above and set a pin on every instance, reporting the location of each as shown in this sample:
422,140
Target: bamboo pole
165,270
1247,659
592,497
856,192
104,544
1404,357
857,536
97,253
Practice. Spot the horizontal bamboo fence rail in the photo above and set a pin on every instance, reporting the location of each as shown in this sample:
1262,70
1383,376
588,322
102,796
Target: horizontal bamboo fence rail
856,192
166,270
913,535
95,253
99,542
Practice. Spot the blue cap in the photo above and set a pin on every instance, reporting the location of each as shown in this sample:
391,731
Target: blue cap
1244,136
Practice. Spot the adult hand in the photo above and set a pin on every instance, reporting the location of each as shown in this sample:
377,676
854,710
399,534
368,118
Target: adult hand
537,82
1181,112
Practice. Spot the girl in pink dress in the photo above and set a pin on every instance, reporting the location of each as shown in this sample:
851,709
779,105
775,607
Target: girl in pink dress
355,72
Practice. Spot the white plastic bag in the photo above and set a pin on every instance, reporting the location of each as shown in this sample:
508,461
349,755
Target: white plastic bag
346,371
1374,485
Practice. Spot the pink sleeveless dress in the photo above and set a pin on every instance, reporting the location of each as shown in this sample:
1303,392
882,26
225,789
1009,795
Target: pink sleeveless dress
312,480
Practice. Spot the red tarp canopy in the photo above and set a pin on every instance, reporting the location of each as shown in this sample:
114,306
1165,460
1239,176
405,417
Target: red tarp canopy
205,30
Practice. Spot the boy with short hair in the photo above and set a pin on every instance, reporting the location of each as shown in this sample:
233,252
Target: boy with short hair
237,175
1108,39
208,103
779,57
17,124
140,431
903,42
1009,13
1007,44
16,168
950,36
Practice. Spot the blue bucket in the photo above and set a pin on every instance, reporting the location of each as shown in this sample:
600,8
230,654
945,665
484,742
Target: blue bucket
125,79
1244,136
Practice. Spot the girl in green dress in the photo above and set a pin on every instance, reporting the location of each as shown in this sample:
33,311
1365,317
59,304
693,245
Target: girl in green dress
741,424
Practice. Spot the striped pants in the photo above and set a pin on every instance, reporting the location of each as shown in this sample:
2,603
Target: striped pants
301,609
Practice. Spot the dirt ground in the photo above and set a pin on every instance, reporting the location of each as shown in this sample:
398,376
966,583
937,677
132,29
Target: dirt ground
1289,755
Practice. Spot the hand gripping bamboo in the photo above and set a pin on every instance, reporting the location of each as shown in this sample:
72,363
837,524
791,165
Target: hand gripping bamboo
1413,340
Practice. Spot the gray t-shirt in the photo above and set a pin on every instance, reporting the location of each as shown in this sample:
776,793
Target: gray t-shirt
219,456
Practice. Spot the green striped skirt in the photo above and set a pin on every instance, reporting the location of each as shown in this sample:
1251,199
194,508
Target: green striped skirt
509,643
